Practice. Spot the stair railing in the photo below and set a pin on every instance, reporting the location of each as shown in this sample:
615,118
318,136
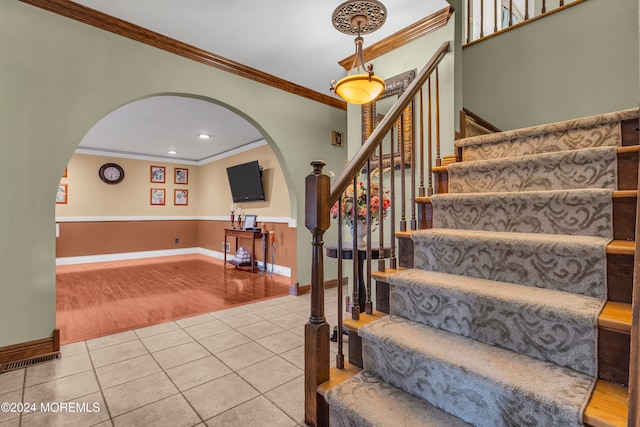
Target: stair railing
321,196
491,17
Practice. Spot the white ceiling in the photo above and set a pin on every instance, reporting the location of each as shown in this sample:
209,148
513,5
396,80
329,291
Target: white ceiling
290,39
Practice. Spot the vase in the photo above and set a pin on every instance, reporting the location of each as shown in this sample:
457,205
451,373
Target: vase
361,237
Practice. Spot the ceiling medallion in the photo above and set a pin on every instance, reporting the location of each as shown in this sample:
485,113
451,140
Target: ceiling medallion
364,17
361,85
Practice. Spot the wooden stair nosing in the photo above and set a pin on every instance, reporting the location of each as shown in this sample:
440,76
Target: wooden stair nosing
353,325
608,406
338,376
616,316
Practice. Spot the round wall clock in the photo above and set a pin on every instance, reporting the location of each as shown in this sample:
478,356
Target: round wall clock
111,173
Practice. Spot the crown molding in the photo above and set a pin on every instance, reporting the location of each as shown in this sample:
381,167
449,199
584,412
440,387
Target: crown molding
131,31
423,27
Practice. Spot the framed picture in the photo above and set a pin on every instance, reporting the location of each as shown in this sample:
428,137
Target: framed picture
62,194
157,196
64,174
249,221
181,197
180,176
157,174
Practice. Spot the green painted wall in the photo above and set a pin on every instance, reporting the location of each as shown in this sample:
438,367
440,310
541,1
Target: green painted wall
575,63
59,77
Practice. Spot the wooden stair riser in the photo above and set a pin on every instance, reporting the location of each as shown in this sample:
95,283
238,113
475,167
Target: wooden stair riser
630,132
619,278
613,356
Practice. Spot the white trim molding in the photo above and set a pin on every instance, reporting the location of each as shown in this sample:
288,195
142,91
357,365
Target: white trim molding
275,219
278,270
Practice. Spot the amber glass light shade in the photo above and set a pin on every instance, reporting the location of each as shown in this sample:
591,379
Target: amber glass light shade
359,88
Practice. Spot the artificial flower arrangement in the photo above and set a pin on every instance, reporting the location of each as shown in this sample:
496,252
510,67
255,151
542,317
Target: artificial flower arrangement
361,204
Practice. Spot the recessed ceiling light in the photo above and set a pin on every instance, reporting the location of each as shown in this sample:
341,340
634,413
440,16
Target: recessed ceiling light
204,136
172,152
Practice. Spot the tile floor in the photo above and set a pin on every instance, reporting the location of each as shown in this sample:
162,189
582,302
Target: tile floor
237,367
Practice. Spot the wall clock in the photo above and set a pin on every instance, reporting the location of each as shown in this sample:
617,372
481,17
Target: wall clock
111,173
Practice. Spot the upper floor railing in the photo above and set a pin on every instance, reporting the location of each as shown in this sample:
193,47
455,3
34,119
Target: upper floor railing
486,18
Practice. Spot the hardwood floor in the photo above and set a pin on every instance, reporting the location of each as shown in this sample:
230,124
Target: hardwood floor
99,299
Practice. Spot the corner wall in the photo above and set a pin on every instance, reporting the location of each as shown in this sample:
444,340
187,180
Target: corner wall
578,62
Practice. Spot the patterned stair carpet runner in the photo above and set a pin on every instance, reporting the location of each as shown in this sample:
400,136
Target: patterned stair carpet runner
594,131
496,324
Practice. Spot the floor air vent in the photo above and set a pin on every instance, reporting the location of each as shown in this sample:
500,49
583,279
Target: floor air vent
24,363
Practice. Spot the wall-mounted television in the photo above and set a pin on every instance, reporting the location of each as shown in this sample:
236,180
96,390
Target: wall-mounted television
245,181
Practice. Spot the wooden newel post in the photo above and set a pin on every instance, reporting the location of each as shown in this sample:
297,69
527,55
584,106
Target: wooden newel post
316,331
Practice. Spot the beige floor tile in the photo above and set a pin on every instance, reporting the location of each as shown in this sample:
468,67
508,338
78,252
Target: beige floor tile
194,320
11,397
169,339
73,348
270,312
156,329
207,329
296,305
93,415
224,341
135,394
241,320
118,373
63,389
117,353
295,356
230,312
270,373
197,372
290,398
244,355
215,397
281,342
180,355
290,320
260,330
12,380
58,368
14,422
173,411
256,412
110,340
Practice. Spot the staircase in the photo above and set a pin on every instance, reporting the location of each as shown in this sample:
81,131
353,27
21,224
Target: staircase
515,309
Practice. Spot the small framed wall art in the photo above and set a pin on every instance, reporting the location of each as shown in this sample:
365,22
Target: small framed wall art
157,174
181,197
62,194
181,176
157,196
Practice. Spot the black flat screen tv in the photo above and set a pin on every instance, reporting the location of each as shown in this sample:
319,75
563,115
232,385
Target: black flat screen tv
245,181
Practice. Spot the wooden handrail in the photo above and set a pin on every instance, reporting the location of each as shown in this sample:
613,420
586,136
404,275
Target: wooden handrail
370,145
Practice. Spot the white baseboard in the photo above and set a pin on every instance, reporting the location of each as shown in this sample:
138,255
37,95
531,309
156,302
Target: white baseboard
276,269
124,256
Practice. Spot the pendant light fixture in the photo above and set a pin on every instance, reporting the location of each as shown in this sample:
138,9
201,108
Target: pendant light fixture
359,17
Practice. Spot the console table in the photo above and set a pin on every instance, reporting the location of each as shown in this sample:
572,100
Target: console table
238,234
347,253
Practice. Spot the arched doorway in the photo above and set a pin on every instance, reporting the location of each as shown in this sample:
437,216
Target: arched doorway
109,231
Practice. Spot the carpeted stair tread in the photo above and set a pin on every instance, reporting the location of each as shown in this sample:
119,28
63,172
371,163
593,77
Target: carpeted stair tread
600,130
546,324
575,264
586,212
365,400
585,168
479,383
